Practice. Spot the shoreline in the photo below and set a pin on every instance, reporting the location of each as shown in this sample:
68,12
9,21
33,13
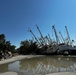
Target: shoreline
18,57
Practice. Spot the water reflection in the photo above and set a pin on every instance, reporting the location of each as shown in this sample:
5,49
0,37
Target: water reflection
41,65
48,64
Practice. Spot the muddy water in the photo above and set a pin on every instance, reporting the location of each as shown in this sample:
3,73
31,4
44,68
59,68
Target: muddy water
41,65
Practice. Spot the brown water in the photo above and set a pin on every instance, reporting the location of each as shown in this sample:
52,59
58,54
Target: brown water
41,65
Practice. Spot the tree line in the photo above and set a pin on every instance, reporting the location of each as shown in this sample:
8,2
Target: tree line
26,47
5,46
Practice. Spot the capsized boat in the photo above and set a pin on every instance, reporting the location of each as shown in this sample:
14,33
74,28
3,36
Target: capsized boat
65,49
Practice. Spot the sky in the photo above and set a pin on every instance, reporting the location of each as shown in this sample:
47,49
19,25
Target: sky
16,16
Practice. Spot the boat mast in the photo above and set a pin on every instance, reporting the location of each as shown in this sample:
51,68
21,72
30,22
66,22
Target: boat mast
57,39
34,35
62,36
49,38
42,38
69,41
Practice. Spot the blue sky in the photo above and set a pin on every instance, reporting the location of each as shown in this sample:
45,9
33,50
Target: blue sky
16,16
